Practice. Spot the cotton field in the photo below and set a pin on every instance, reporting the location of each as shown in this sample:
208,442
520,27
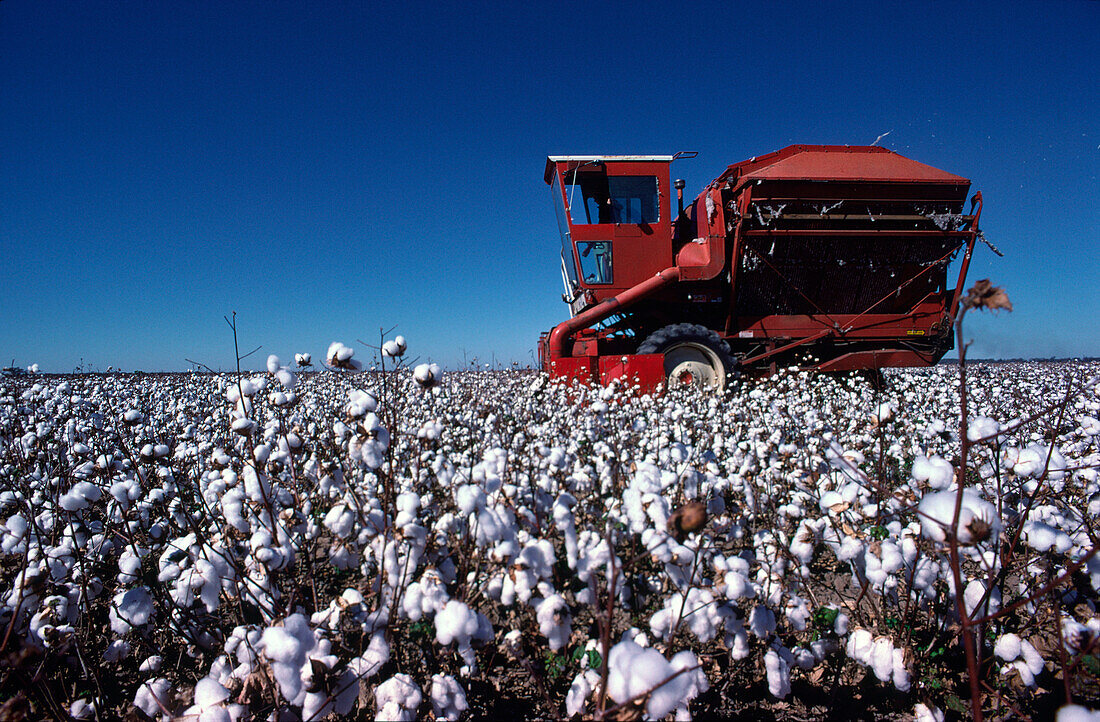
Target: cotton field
410,543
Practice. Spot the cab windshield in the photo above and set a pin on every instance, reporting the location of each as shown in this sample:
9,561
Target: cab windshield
594,197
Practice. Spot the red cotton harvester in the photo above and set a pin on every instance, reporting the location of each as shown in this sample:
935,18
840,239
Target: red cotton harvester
826,257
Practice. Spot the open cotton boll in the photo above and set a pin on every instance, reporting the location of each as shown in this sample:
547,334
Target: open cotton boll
360,403
924,713
340,356
448,697
761,621
901,671
1076,713
457,623
554,620
337,697
860,643
1043,537
394,348
778,673
935,470
397,699
1007,647
209,692
80,496
153,697
1031,657
982,427
978,520
882,658
427,375
286,649
287,378
273,363
635,671
371,661
338,352
974,594
579,691
132,608
82,709
1089,426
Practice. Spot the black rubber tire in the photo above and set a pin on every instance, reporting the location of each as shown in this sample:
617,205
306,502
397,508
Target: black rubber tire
681,335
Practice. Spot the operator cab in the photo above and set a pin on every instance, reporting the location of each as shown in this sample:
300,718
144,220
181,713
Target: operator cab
615,223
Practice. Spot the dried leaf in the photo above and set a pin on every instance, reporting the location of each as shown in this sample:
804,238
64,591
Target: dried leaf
984,294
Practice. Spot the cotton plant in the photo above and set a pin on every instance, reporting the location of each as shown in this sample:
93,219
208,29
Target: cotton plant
492,497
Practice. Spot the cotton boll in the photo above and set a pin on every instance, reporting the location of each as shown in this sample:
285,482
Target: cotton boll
761,622
116,650
153,697
1076,713
456,623
982,427
360,403
901,671
554,621
427,375
882,659
340,356
394,348
397,699
131,608
1043,537
936,471
634,671
579,691
80,496
273,363
287,378
778,673
209,692
860,643
448,697
924,713
1031,657
82,709
1026,675
738,586
286,648
152,663
1007,647
337,695
978,520
371,661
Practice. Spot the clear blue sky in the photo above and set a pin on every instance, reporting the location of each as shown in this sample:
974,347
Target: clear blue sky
327,169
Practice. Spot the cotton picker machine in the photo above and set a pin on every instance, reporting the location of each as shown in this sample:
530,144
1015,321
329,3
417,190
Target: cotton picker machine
827,257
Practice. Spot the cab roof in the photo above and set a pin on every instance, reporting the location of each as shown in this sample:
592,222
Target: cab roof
554,159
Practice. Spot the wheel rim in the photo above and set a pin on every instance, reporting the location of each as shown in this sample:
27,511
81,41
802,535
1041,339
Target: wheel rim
693,365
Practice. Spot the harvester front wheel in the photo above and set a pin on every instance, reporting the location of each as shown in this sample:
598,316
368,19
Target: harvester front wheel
695,356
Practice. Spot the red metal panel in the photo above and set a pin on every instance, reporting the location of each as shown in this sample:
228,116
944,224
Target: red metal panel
876,360
837,163
645,370
581,368
872,325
